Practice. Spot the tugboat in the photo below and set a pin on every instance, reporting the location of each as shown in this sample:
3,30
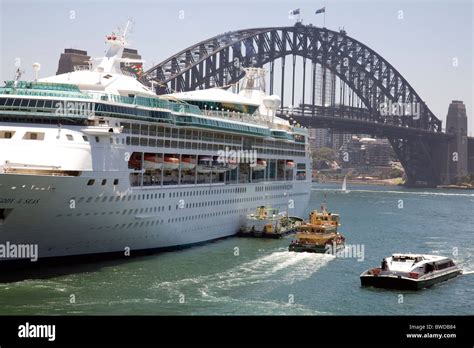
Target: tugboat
268,222
320,234
410,272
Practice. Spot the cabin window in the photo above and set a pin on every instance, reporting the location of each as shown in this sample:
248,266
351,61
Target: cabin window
6,134
86,139
97,140
69,137
33,136
104,182
116,182
90,182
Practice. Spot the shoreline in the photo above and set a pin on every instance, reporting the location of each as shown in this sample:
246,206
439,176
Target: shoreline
378,182
389,182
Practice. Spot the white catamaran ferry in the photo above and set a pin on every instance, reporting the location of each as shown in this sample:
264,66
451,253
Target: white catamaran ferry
93,161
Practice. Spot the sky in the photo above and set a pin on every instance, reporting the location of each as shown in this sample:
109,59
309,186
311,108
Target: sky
429,42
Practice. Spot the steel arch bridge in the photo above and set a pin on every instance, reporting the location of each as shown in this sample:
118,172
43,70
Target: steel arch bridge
367,82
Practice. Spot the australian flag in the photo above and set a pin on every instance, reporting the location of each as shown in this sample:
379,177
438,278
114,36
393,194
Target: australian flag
295,12
321,10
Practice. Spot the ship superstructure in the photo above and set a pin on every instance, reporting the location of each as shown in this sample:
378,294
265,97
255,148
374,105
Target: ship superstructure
93,161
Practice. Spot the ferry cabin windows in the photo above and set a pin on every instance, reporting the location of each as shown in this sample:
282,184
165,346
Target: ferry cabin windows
69,137
90,182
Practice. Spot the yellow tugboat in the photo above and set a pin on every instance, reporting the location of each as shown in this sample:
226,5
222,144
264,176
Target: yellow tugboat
268,222
320,234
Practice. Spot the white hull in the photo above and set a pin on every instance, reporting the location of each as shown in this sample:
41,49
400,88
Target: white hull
112,218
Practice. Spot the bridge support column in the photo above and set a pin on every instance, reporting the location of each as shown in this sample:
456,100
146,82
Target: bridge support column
421,157
457,150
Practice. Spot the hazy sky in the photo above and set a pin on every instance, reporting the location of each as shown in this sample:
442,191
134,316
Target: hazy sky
429,42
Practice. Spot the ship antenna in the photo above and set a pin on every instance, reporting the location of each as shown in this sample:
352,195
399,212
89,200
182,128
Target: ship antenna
127,29
17,77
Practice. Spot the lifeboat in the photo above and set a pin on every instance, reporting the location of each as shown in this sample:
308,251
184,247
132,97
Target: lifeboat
135,161
152,162
187,163
219,167
260,165
289,165
171,162
204,165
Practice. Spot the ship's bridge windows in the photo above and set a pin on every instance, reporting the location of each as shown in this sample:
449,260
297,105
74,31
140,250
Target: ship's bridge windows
33,136
6,134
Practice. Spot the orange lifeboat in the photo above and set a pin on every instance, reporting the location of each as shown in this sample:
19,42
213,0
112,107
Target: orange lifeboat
260,165
171,162
152,162
289,165
135,161
187,163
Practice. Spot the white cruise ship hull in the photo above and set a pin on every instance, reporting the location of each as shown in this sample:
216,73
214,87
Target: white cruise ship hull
65,217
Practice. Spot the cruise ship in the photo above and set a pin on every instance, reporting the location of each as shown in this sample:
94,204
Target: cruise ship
94,162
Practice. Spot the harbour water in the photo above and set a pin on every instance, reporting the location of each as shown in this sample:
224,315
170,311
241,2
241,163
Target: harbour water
240,276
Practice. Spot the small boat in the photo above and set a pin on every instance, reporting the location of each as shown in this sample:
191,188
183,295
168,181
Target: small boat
171,162
319,235
135,161
152,161
269,222
187,163
259,165
344,185
410,272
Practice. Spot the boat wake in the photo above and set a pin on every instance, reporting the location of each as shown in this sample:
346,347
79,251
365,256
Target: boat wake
279,267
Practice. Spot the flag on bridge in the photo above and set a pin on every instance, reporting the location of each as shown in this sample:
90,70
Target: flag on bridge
295,12
321,10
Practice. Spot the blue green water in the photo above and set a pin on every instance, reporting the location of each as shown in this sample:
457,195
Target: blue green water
256,276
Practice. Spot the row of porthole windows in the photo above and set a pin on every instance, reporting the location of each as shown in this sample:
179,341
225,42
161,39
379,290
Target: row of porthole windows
273,188
181,194
123,212
206,215
157,195
188,205
161,222
227,201
207,192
